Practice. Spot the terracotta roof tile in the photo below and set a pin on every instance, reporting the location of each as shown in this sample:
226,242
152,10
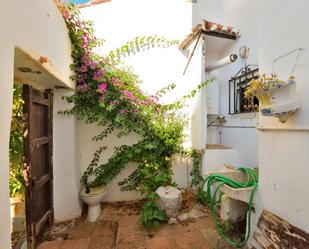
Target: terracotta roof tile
212,29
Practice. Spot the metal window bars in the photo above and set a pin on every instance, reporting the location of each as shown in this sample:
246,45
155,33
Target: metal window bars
237,87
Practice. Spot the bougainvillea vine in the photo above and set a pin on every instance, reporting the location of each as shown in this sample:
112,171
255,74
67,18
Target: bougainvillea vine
109,95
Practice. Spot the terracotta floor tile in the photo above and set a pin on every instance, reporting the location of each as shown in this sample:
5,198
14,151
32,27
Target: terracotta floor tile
130,229
163,230
131,234
51,244
82,243
130,221
161,243
109,213
101,243
83,230
213,239
184,228
103,230
191,240
136,244
203,223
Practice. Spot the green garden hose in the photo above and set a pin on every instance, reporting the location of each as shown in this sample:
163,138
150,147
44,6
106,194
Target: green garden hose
251,181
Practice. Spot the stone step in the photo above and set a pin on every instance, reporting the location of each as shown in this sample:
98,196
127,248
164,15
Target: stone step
216,156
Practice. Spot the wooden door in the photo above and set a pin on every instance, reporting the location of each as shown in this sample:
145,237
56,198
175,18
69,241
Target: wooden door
38,171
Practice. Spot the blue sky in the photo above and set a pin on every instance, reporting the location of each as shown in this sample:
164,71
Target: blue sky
77,1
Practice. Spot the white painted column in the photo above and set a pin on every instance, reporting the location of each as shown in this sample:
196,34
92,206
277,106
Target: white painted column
65,166
197,105
6,98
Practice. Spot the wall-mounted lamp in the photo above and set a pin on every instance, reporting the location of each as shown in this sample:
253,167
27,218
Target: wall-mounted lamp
243,52
28,70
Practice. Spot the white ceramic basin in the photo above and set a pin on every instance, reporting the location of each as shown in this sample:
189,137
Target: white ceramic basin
241,194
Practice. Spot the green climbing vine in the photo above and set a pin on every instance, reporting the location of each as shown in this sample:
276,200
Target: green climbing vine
139,44
16,144
109,95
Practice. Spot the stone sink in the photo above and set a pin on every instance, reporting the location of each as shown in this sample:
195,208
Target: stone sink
242,194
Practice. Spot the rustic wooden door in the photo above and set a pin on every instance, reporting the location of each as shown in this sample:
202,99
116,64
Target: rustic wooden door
38,171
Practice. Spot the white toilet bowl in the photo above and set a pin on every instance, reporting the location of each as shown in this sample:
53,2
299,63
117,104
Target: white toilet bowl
93,199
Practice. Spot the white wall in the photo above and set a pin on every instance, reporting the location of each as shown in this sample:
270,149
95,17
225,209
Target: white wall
86,148
241,14
270,29
6,95
66,166
118,22
37,27
283,156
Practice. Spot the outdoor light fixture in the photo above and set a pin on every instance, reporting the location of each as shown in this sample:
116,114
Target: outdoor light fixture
243,52
24,69
27,70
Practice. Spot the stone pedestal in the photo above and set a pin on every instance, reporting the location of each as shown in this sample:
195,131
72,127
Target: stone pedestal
232,209
170,200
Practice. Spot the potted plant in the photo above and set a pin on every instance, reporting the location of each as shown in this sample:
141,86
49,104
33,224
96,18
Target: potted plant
276,97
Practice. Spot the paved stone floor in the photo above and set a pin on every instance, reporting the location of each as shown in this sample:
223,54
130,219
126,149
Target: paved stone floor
124,231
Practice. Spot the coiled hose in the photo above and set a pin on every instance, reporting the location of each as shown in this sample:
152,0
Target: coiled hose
251,181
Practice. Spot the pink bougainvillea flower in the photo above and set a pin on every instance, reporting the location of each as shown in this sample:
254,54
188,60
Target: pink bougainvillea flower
98,74
92,64
113,102
101,98
102,88
129,95
117,82
83,87
84,68
123,111
66,14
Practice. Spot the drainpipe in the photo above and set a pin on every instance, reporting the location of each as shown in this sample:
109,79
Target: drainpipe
221,63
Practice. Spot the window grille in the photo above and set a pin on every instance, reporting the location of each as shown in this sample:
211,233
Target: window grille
237,87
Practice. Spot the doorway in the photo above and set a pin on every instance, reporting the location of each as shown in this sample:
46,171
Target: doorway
36,165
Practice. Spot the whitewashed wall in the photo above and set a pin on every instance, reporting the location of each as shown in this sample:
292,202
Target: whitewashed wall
283,156
65,161
118,22
6,95
38,28
270,29
243,15
86,148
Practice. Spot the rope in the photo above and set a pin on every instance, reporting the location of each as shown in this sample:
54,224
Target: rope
251,181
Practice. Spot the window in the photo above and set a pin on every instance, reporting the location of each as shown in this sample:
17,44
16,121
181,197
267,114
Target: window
237,87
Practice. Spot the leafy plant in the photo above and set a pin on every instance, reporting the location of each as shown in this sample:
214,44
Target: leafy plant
196,157
16,144
139,44
265,87
16,181
202,196
152,215
109,95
